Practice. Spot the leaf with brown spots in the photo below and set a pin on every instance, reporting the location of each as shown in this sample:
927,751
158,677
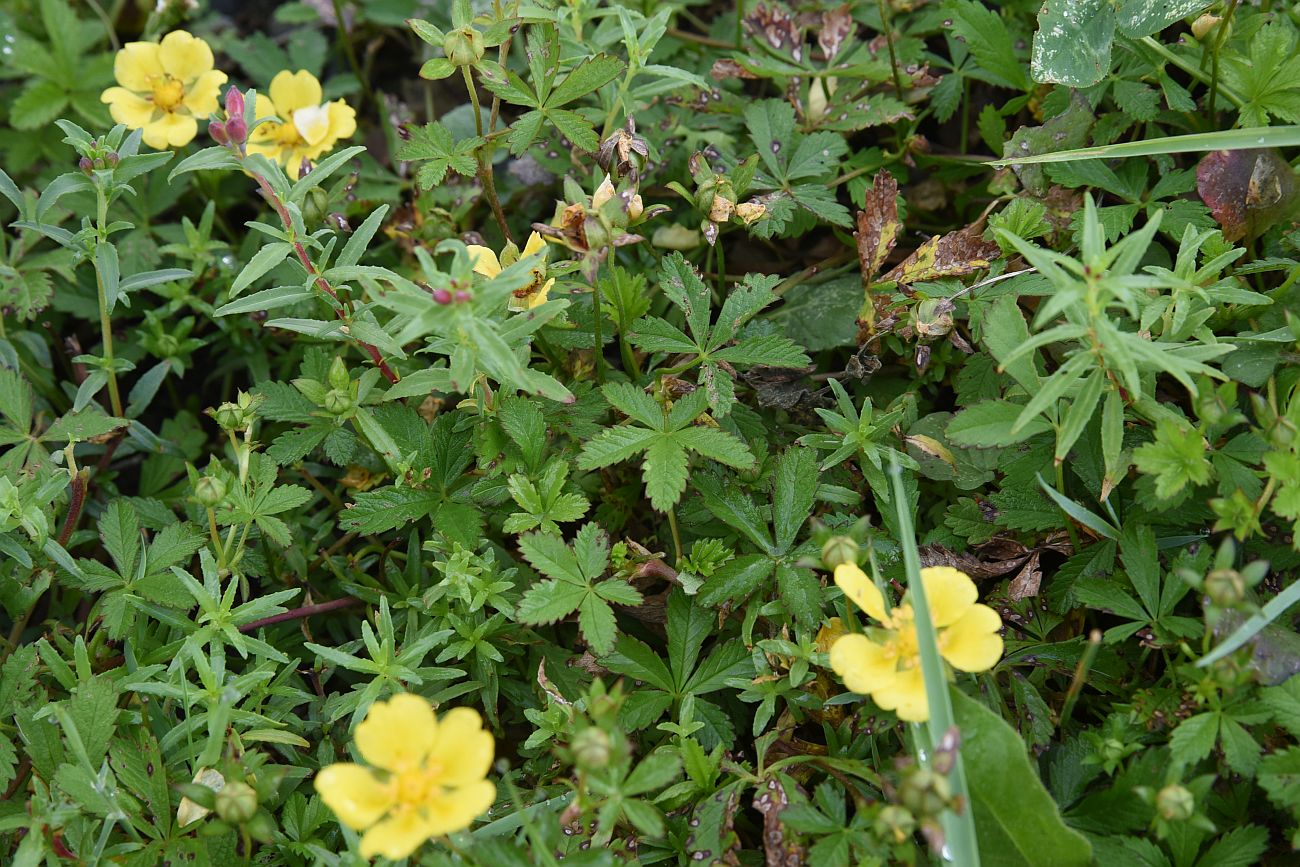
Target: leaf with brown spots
949,255
779,849
878,225
1247,191
837,25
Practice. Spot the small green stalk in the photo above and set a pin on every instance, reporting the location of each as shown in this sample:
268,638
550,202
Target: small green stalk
105,323
959,829
485,176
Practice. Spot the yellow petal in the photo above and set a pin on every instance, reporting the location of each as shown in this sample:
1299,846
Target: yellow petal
136,64
264,108
184,56
312,123
397,836
865,666
861,590
459,807
905,696
603,193
973,642
125,107
534,246
291,91
189,811
170,130
354,794
463,751
343,119
397,734
539,297
950,593
485,261
201,96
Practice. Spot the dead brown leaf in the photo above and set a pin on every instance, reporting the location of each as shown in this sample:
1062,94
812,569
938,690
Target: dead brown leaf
1247,191
878,225
837,25
949,255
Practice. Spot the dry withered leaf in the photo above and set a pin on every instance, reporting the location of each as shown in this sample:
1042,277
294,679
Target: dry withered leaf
878,225
1027,580
725,68
777,27
949,255
771,800
837,25
1246,191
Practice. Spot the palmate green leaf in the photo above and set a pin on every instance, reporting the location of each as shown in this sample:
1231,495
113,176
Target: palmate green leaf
438,152
987,38
1176,457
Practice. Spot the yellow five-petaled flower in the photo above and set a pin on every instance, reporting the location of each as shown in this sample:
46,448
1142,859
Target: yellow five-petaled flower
430,779
305,127
537,290
165,87
885,663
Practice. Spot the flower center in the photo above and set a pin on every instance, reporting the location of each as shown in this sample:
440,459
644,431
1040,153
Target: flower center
902,622
416,786
168,93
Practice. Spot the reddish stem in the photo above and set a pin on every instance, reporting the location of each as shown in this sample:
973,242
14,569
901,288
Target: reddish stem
341,311
74,508
299,613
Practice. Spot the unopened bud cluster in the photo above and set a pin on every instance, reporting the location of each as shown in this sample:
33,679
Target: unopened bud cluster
233,131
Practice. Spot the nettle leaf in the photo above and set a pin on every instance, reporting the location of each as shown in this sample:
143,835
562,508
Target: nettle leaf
438,152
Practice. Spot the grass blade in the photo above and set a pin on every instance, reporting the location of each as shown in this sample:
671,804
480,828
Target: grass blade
1223,140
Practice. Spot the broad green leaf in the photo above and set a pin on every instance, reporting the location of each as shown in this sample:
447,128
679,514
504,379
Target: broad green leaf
1016,821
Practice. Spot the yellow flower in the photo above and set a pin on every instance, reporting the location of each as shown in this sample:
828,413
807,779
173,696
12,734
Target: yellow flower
306,128
431,780
886,664
537,290
165,87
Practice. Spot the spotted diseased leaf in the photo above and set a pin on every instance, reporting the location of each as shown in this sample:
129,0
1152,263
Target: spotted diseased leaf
1072,45
1065,131
878,224
950,255
1247,191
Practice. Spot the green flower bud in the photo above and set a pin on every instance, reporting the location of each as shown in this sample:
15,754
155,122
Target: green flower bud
339,377
1225,587
591,749
337,401
209,491
895,823
463,47
1175,803
236,802
932,317
925,793
1112,750
839,549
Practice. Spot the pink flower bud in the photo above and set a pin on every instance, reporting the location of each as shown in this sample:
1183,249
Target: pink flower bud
234,103
463,295
217,130
236,129
442,296
86,165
